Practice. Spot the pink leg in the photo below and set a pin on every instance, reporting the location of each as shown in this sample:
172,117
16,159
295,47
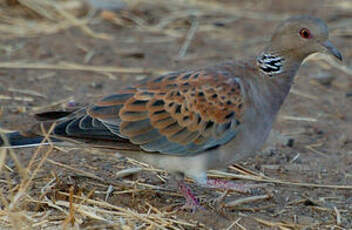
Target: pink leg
229,185
191,201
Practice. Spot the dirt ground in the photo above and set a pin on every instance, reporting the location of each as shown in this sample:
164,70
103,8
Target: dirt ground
306,166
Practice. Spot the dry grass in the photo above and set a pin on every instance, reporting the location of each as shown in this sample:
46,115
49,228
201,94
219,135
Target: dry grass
31,197
47,18
66,206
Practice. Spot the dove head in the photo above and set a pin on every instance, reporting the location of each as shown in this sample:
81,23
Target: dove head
301,36
293,40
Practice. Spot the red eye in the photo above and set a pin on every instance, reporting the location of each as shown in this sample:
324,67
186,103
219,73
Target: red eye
305,33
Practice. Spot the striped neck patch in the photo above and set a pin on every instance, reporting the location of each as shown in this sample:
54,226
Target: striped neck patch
270,64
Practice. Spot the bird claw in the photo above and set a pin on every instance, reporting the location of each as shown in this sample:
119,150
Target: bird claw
192,202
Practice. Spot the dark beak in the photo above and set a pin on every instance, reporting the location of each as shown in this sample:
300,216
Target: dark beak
331,49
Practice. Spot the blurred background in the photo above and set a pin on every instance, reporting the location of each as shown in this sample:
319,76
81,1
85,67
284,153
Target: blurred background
58,54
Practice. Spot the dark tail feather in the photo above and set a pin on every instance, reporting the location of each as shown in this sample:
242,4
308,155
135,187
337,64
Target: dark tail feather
16,139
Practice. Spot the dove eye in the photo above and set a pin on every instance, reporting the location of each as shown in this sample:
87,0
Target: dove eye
305,33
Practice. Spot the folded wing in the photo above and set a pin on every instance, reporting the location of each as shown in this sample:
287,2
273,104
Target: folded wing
179,113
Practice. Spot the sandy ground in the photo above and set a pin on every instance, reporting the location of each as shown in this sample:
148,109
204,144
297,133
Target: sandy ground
311,148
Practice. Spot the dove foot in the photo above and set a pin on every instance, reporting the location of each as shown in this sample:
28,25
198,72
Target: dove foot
192,202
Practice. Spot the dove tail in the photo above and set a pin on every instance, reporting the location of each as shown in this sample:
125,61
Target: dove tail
18,140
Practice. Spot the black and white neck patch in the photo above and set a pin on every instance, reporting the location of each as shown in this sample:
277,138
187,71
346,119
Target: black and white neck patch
270,64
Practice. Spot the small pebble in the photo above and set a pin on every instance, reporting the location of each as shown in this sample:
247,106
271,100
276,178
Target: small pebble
97,85
290,142
219,24
140,77
127,172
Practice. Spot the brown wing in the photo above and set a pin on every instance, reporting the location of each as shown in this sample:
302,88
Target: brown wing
179,113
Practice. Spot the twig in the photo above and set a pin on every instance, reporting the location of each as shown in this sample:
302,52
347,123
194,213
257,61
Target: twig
275,181
302,94
53,104
237,11
292,118
285,226
108,192
4,97
189,37
78,171
27,91
338,216
245,200
127,172
76,21
236,223
74,66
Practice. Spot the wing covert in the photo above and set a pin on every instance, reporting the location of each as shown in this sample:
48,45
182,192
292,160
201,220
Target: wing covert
178,113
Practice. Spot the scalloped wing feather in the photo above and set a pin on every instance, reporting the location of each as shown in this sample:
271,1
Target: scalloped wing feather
178,113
